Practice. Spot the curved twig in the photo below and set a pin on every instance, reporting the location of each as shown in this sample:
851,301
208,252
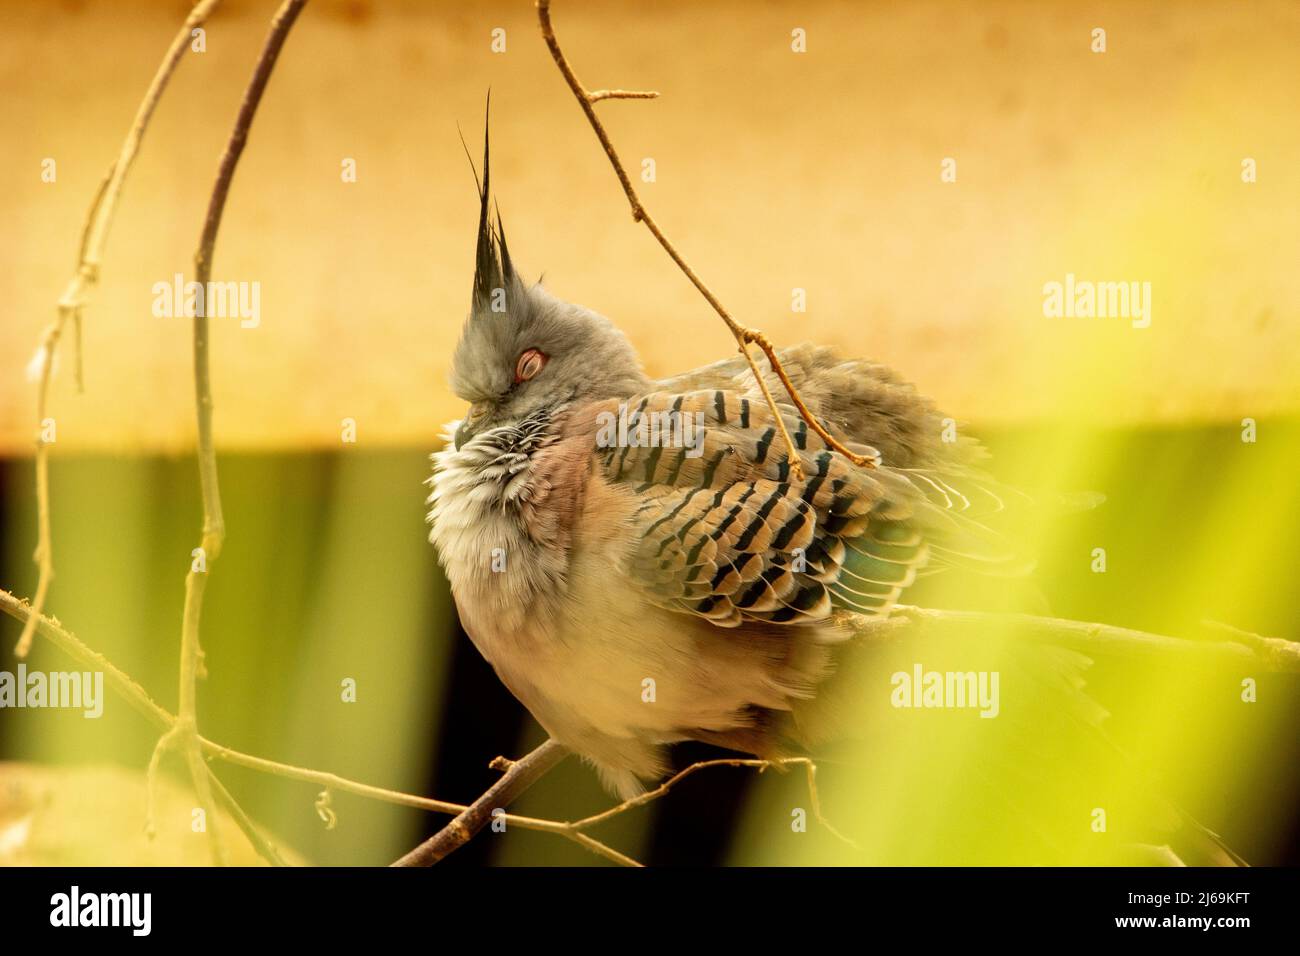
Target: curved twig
185,734
744,336
94,235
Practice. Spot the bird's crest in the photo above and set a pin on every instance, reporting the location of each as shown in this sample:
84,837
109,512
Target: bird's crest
493,272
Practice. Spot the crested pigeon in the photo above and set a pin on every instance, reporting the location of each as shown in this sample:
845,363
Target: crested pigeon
638,560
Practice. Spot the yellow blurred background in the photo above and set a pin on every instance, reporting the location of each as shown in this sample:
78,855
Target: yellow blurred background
775,170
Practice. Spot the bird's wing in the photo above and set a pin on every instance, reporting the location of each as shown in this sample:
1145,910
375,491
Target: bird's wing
726,532
865,401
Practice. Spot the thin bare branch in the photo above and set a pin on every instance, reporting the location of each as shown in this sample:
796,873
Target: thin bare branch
595,96
744,336
1271,654
328,781
760,764
94,235
519,776
264,847
214,528
1276,653
185,734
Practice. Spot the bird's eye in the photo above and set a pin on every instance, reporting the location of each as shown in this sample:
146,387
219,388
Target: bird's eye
529,364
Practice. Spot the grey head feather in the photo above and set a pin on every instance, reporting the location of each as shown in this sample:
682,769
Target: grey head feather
587,356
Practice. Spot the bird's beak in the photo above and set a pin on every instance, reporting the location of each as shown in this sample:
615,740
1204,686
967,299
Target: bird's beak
463,434
474,419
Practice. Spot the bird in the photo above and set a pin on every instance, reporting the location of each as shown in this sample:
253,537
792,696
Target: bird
634,592
642,564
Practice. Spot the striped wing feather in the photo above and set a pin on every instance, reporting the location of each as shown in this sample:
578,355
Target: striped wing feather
727,533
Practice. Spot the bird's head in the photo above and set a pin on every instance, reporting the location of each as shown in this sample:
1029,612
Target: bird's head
523,350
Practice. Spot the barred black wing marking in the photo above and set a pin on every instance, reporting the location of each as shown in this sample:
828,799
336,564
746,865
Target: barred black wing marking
727,533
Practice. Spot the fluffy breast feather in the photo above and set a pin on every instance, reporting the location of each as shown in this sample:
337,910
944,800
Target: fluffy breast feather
501,516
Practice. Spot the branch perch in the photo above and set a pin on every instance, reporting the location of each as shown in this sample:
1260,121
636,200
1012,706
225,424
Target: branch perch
519,776
94,235
744,336
1270,653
